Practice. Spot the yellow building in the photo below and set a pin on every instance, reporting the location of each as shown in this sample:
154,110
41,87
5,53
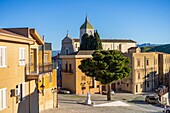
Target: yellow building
164,69
22,74
72,77
47,98
149,69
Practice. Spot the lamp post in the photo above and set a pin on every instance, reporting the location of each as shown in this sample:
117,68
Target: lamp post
42,89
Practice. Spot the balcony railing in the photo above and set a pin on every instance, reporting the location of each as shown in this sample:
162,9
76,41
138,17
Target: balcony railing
38,69
45,68
67,71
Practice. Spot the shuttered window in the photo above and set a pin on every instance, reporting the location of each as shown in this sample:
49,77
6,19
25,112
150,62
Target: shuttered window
3,98
3,56
23,90
22,54
46,58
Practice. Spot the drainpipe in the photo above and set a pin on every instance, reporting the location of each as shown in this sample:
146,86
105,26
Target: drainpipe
145,70
43,48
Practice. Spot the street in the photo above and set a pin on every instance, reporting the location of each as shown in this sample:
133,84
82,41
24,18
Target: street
71,104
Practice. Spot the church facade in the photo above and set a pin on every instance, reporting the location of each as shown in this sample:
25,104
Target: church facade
71,45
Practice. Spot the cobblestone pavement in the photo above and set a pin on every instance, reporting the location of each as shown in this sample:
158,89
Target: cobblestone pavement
70,104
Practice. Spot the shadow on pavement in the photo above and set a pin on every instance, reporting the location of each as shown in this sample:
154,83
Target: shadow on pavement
138,102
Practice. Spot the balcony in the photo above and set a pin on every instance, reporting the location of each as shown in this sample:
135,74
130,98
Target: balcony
67,71
33,71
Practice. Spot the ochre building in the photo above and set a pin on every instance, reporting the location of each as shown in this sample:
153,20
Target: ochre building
27,84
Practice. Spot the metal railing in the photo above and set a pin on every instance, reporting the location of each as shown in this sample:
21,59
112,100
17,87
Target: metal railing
38,69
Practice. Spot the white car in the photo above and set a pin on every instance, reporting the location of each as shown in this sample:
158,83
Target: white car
105,92
166,109
64,91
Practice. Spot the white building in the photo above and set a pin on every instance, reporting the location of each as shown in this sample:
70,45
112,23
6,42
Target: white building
71,45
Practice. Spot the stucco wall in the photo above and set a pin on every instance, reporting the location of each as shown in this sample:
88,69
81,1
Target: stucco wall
14,74
74,81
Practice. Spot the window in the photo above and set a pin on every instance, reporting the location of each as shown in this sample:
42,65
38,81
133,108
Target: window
127,85
3,98
22,56
90,32
83,78
75,45
138,62
147,84
67,52
46,58
70,68
50,78
3,56
141,86
21,92
138,75
120,47
31,60
147,62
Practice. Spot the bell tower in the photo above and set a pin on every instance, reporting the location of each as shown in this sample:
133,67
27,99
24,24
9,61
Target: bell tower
86,28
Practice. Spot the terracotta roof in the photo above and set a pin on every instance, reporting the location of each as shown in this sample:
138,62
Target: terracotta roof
8,32
133,47
109,40
117,40
83,52
76,39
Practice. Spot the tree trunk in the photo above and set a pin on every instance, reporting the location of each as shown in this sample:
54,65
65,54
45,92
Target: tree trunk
109,92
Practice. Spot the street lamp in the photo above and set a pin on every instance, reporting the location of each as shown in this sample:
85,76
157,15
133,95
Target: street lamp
42,89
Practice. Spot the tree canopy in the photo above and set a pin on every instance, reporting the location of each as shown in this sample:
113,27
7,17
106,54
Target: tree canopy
91,42
106,66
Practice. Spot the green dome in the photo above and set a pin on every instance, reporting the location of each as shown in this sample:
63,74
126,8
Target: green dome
86,25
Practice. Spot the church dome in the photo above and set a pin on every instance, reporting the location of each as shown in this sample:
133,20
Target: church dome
86,25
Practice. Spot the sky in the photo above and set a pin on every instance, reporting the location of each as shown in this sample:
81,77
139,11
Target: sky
144,21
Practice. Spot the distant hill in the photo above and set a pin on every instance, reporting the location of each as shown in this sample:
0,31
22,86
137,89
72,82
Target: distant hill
148,45
55,52
161,48
146,49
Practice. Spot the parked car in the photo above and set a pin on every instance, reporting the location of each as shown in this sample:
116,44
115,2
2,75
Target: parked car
105,92
160,87
152,99
166,109
64,91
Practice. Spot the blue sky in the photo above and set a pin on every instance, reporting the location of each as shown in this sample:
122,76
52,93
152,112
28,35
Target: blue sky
139,20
